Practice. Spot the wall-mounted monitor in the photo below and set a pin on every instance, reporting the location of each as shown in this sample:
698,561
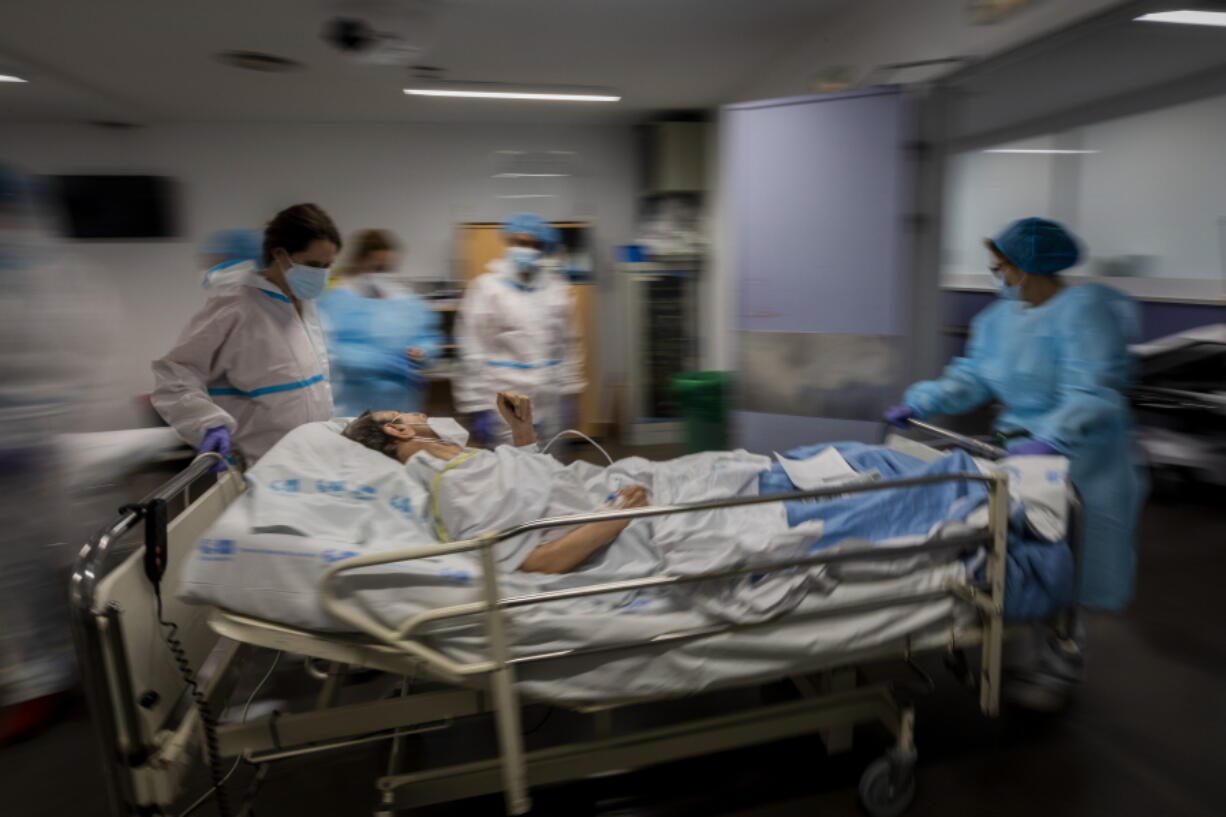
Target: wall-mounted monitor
116,206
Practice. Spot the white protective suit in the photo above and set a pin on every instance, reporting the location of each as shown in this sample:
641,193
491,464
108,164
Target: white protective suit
46,356
518,337
248,362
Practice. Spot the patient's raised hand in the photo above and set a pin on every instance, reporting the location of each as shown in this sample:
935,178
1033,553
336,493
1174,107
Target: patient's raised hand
516,409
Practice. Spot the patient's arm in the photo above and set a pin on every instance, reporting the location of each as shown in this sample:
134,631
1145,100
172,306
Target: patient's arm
565,554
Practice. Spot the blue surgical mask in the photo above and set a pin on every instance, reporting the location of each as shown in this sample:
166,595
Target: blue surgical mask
1006,292
307,283
524,258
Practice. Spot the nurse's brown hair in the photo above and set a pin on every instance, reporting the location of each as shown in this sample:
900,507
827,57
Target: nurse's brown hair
294,228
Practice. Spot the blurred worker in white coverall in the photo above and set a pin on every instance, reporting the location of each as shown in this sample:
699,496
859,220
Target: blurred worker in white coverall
517,333
42,378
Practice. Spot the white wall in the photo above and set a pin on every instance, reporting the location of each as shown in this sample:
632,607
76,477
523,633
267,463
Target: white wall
418,180
986,191
1155,191
873,33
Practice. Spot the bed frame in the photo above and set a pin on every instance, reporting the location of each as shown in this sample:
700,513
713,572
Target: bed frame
152,730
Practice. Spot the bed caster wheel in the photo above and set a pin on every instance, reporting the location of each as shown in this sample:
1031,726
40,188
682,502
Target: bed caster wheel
888,784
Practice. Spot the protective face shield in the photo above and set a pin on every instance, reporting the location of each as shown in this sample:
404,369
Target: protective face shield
307,283
524,259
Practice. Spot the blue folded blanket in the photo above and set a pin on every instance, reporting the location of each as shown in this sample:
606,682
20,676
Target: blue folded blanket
1039,574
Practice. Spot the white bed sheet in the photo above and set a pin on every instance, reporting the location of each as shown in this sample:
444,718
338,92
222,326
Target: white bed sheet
799,642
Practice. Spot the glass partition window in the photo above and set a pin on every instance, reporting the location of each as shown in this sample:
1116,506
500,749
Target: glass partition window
1145,193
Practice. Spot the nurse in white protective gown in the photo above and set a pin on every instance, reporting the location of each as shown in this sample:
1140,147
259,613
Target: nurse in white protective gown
252,363
516,332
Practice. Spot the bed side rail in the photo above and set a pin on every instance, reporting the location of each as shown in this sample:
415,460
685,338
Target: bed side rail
969,444
407,636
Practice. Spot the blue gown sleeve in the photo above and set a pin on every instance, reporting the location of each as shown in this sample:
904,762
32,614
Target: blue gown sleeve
426,334
961,386
1096,367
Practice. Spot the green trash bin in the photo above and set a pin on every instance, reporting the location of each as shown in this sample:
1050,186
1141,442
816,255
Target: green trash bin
703,399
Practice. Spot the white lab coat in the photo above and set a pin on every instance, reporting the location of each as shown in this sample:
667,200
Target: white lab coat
248,362
519,338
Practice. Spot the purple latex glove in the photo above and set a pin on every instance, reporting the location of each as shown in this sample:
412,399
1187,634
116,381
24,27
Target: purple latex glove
899,416
1033,448
482,426
216,440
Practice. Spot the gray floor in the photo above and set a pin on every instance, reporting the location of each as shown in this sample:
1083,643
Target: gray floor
1146,736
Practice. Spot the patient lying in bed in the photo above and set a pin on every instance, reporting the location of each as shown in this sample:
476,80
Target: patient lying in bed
406,436
477,491
318,498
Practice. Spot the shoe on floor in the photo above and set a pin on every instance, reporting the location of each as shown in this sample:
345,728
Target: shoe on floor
1038,692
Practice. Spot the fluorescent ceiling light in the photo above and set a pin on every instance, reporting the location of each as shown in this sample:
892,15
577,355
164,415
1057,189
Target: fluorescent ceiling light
530,175
540,96
1041,151
10,78
1187,17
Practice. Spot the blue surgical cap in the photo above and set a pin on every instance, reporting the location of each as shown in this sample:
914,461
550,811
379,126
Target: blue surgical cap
235,245
1037,246
533,225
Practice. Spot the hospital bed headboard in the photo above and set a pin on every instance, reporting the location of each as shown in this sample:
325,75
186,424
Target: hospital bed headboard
131,674
151,665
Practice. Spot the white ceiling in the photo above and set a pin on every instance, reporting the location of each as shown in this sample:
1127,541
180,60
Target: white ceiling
152,60
1108,58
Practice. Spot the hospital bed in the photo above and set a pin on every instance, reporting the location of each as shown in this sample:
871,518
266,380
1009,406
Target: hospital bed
1180,405
157,671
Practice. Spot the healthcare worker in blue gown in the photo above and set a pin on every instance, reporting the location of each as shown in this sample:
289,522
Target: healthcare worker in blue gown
381,337
1056,357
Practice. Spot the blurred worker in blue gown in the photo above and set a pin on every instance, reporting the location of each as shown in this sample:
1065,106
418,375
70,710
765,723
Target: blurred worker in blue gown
381,336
